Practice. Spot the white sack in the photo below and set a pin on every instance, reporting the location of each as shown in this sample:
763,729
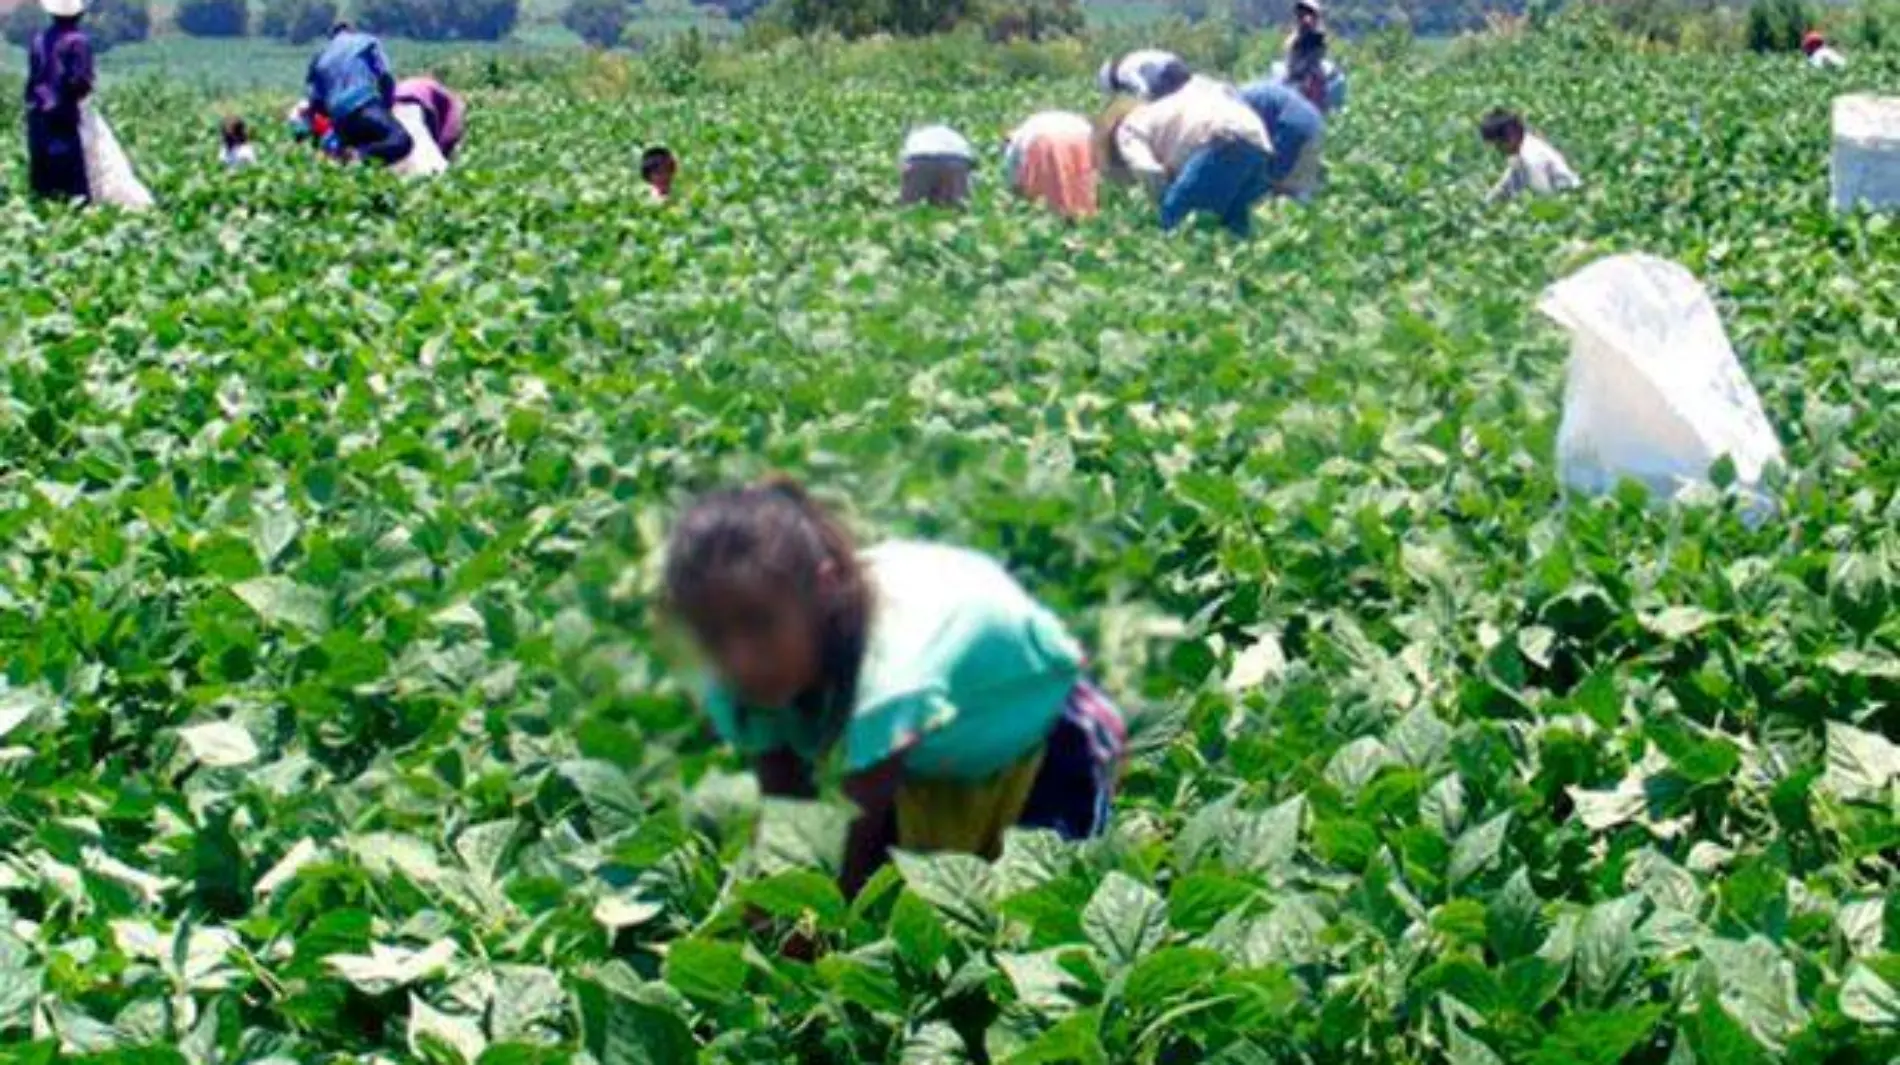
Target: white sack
1866,152
425,159
1653,392
109,173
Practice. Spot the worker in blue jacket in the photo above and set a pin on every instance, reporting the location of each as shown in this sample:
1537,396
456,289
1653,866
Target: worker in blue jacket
350,83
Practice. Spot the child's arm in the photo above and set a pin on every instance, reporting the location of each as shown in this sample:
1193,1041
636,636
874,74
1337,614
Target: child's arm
868,845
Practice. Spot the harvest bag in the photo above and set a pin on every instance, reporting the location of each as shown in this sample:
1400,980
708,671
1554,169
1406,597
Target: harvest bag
1866,152
108,171
1653,391
425,159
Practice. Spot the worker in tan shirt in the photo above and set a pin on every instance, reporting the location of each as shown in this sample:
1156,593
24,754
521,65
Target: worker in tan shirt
1199,149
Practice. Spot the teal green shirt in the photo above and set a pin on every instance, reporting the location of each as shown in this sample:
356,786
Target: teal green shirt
963,672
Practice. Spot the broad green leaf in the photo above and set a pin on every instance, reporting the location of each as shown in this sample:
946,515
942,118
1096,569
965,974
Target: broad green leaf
1125,919
282,601
1478,848
1679,622
1589,1037
219,744
1039,980
864,978
706,969
1758,988
526,998
794,893
1356,763
935,1043
386,968
624,1023
957,885
1866,998
1860,765
1607,946
463,1035
1169,972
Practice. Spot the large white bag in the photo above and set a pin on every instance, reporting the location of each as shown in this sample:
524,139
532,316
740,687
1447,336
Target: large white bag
1653,392
108,172
426,159
1866,152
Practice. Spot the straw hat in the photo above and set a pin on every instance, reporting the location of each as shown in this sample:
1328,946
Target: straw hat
1107,157
63,8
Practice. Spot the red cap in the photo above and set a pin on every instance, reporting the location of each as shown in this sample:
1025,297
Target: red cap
1812,43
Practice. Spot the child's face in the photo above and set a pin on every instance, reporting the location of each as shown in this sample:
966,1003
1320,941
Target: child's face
762,642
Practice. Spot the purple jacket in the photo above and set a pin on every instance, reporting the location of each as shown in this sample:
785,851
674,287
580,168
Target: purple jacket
443,109
59,71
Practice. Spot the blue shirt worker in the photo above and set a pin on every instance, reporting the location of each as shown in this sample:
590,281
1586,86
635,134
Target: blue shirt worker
350,83
1297,130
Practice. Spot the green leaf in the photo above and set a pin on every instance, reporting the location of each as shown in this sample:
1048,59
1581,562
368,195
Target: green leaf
864,978
282,601
1125,919
1866,998
917,932
1679,622
1860,764
957,885
1607,946
1170,972
1478,848
1074,1040
706,969
625,1024
1758,988
792,894
1588,1037
935,1043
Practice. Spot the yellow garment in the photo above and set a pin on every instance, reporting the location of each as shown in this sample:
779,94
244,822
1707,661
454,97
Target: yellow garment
963,816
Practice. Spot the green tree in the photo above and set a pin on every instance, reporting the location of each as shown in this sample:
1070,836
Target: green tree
213,18
600,23
297,21
1778,25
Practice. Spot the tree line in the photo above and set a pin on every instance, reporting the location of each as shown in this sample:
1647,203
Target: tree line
115,22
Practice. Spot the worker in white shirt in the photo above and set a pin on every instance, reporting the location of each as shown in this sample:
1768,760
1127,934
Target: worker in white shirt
1821,55
1147,75
1535,167
1199,149
936,164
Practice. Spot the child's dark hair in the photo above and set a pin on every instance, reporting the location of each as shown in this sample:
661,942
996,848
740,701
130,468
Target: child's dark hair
772,534
1500,126
654,159
235,132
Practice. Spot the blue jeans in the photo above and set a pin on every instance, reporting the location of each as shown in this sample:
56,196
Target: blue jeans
1224,179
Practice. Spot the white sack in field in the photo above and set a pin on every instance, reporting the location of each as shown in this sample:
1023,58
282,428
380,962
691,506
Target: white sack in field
1653,392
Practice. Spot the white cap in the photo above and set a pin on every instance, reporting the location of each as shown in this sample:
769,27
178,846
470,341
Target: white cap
63,8
937,141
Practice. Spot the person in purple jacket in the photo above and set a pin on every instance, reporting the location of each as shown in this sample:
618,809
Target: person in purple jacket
442,111
59,78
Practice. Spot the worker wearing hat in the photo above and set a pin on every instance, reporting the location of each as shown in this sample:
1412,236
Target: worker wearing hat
1306,66
1821,55
935,163
59,78
1147,75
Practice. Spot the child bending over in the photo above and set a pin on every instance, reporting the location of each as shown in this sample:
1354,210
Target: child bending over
956,704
